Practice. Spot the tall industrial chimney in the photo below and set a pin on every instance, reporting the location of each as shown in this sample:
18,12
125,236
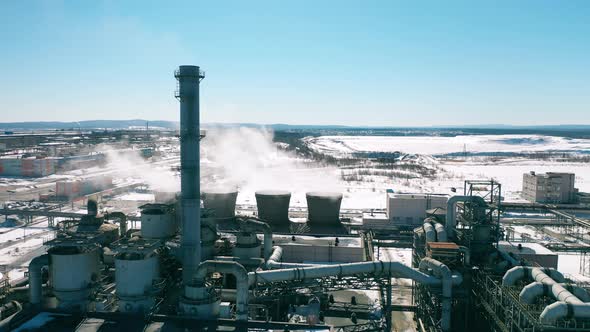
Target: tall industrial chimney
189,78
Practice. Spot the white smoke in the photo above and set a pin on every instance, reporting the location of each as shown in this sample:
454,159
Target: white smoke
248,159
128,164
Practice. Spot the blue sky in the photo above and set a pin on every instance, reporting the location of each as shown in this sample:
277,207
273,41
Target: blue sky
384,63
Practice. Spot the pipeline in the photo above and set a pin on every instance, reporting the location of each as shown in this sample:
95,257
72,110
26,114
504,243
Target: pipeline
450,220
253,225
122,221
36,278
429,232
441,233
241,275
567,303
520,272
274,261
445,274
15,308
535,289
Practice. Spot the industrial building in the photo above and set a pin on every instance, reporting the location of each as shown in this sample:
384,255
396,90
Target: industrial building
549,187
197,262
410,209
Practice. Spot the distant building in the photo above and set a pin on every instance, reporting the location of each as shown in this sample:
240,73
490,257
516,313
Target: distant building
410,209
27,167
549,187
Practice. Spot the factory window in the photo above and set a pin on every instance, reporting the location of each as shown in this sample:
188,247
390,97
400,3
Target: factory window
395,218
409,220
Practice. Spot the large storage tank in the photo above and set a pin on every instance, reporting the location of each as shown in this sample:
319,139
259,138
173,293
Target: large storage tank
323,208
273,206
136,275
221,202
73,270
157,221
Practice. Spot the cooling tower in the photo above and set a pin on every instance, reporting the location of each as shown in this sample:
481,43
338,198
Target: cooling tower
323,208
221,202
273,206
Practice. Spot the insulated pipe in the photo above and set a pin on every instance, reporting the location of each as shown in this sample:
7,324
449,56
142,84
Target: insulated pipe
241,275
441,233
509,258
429,232
395,269
122,221
519,272
559,310
450,220
252,261
188,93
274,261
35,278
535,289
5,323
444,272
251,225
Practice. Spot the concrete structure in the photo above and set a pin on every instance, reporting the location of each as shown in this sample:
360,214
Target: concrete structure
323,207
189,78
73,270
221,202
157,221
549,187
273,206
531,252
136,274
410,209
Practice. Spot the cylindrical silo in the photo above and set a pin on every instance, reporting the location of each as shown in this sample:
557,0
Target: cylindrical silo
222,203
323,208
273,206
73,270
135,273
157,221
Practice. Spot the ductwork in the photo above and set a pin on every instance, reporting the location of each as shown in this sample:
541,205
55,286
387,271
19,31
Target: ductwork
519,272
441,233
251,225
188,84
378,268
5,324
253,261
122,221
559,310
568,304
274,262
509,258
441,270
36,278
535,289
429,232
450,220
241,275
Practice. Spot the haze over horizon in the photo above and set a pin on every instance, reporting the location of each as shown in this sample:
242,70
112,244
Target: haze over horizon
377,63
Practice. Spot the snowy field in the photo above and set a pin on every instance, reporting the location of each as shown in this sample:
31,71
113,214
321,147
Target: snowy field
486,157
436,145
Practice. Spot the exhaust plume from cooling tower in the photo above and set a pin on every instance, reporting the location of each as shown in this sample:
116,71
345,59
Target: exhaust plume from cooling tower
248,159
128,163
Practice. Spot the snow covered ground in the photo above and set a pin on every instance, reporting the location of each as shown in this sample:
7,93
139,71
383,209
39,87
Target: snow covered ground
437,145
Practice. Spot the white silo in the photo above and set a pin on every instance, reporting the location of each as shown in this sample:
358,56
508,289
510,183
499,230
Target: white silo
157,221
74,269
136,274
